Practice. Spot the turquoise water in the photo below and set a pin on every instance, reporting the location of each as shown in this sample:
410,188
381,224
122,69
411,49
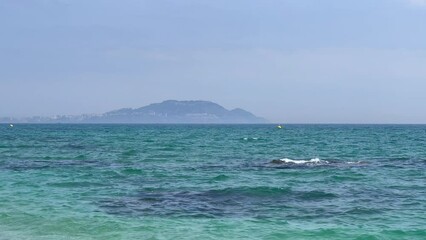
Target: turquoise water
212,182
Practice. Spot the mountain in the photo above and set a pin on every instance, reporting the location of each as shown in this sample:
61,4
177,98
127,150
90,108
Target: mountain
169,111
172,111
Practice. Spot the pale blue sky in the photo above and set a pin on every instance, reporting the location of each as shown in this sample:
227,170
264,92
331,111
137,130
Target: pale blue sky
316,61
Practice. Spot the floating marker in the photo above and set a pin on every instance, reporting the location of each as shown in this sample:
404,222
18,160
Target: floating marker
11,125
279,126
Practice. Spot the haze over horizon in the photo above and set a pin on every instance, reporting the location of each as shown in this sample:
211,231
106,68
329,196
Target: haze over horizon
290,61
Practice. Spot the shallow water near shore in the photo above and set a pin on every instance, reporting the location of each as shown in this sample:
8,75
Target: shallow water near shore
212,182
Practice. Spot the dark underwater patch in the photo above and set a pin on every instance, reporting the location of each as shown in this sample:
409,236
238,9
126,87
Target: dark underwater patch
50,163
228,202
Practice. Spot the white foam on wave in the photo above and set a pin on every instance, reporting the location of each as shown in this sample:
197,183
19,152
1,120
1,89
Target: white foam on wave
250,138
312,161
357,162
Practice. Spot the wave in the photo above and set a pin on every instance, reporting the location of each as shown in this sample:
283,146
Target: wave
250,138
291,161
315,162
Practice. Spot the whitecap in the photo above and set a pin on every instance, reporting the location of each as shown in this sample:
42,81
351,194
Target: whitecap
250,138
357,163
311,161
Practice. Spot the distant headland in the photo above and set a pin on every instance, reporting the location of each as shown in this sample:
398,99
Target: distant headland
170,111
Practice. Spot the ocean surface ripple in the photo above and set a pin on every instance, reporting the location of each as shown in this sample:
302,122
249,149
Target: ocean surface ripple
65,181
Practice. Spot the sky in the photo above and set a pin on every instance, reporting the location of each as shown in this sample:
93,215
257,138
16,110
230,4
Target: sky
290,61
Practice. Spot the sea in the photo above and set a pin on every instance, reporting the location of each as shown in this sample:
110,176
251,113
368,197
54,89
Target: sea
95,181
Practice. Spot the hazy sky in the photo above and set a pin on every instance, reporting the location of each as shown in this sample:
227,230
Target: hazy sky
316,61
